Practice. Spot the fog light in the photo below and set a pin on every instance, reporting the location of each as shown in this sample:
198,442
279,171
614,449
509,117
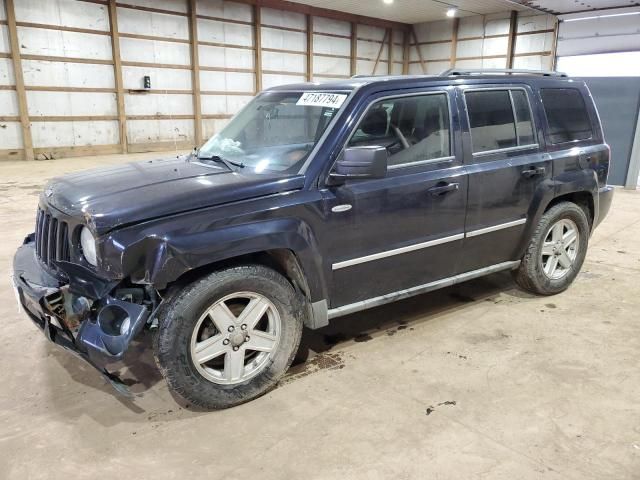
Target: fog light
114,320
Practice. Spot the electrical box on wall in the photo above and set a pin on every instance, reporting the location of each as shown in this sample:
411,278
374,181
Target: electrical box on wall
146,81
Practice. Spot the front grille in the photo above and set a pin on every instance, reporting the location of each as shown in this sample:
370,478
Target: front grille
52,239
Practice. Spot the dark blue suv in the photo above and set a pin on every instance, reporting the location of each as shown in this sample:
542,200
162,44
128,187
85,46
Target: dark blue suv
316,201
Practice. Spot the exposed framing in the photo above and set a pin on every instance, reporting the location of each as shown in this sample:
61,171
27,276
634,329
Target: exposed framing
27,141
513,32
195,72
257,47
117,69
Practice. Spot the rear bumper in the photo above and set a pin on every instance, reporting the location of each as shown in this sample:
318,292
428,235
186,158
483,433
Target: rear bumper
104,327
605,197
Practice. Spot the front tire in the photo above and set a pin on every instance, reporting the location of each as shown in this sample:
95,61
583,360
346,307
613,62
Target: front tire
229,337
556,251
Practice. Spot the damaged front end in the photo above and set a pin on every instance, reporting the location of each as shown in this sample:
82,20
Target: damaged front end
92,317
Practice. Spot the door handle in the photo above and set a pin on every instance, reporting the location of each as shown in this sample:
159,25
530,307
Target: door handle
533,171
442,189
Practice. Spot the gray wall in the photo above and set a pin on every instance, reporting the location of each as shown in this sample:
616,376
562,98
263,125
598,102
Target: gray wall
618,102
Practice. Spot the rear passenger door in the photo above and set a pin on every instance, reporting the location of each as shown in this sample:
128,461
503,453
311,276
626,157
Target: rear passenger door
506,166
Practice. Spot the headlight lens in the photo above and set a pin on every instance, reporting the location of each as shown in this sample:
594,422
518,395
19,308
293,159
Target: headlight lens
88,244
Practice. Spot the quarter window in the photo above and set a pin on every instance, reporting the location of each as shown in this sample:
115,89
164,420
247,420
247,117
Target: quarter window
499,119
412,129
566,114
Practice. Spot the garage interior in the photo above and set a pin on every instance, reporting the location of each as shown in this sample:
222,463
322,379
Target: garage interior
479,380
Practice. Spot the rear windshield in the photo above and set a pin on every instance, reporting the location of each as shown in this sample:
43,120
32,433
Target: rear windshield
566,114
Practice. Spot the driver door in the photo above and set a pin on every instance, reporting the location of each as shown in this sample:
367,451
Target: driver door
404,230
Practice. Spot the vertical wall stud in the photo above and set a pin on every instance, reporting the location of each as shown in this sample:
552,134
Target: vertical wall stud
27,141
195,72
513,31
405,53
384,40
309,48
390,53
554,48
257,46
415,40
454,42
354,48
117,69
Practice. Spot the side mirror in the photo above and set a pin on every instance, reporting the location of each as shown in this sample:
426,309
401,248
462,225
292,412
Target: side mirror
361,162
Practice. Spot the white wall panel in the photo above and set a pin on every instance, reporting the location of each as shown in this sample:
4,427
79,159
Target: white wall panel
328,25
223,104
331,45
3,15
533,62
365,67
434,68
68,13
6,74
5,45
537,42
371,49
10,135
222,32
469,48
161,78
147,23
232,81
432,52
281,18
285,62
284,39
497,24
372,33
271,80
212,126
173,5
70,103
152,51
224,9
225,57
9,102
65,134
330,65
147,131
471,26
38,41
495,46
158,104
59,74
434,31
530,23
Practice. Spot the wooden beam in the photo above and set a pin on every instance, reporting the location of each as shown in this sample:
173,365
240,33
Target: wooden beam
390,52
405,53
513,31
195,72
375,65
309,71
415,41
27,141
554,48
353,65
257,46
117,71
454,41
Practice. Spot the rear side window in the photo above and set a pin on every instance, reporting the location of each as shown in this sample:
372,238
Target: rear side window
566,114
499,119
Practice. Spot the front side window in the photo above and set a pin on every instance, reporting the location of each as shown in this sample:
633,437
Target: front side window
412,129
276,131
566,114
499,119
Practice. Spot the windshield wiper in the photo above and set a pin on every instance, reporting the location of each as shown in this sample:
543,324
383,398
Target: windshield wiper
217,158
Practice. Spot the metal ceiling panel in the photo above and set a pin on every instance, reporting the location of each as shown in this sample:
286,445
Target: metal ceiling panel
416,11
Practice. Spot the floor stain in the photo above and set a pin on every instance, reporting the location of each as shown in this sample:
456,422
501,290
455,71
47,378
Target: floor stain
430,409
322,361
551,305
364,337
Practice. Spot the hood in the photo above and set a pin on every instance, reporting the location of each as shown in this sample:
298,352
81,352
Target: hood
124,194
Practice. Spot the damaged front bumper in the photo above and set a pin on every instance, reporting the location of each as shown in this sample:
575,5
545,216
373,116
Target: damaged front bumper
79,315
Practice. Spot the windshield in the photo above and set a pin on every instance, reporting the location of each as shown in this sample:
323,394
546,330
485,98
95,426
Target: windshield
276,131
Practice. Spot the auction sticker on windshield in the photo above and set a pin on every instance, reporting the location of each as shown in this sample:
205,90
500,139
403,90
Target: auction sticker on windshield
320,99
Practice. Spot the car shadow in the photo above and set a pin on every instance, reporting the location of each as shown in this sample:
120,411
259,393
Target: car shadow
139,372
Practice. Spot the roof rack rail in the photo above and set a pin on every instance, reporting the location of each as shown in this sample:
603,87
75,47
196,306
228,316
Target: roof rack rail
474,71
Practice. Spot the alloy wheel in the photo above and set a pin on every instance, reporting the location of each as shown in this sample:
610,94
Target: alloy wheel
560,249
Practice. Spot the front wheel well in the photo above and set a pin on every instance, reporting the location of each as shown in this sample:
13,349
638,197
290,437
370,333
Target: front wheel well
583,199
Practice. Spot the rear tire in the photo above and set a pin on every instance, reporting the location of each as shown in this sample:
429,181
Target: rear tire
556,251
229,337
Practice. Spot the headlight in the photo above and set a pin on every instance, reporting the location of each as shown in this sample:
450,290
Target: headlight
88,244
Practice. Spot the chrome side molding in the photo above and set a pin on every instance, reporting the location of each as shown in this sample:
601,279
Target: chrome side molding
427,287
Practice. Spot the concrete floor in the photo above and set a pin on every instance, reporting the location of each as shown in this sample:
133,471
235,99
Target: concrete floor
476,381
